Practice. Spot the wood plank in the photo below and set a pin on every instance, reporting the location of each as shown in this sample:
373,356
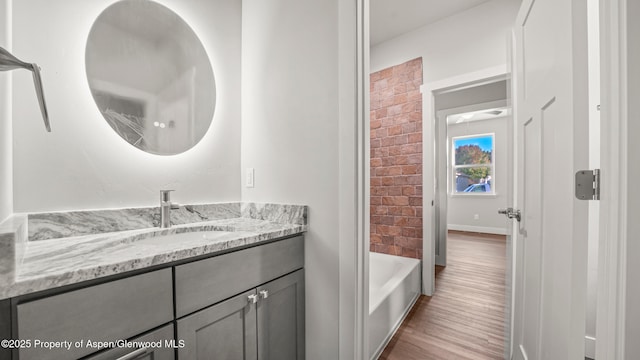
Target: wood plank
465,319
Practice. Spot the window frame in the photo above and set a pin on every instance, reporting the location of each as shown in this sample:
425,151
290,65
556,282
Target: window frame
454,167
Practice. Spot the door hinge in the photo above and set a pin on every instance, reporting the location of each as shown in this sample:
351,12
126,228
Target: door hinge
588,184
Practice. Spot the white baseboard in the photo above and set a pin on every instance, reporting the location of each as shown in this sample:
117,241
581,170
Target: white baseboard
590,347
478,229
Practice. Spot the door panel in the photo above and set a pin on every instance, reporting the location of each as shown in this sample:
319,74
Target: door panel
226,331
551,116
281,318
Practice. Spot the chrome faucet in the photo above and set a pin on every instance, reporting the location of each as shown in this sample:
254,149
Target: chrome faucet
165,208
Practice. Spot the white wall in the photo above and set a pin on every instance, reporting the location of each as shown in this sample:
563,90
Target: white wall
462,208
466,42
6,170
83,163
290,135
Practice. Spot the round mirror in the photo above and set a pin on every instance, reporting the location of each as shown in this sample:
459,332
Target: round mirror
150,77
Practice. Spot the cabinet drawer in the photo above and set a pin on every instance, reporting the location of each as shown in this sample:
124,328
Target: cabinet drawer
161,337
107,312
205,282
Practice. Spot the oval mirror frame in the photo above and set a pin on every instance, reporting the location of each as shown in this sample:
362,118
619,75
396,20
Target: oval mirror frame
150,77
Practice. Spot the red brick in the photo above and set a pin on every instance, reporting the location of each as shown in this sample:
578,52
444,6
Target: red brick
408,190
400,180
407,231
393,151
380,113
401,160
409,252
394,170
388,180
414,159
395,210
401,139
414,96
414,116
414,138
380,84
387,141
395,130
409,128
402,119
386,102
388,230
396,110
394,191
408,108
410,149
409,169
379,210
382,248
414,179
414,221
400,221
381,133
389,161
376,162
375,143
395,250
375,200
388,122
376,239
400,89
409,211
400,99
375,181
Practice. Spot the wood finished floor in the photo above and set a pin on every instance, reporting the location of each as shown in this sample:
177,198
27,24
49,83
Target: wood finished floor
465,317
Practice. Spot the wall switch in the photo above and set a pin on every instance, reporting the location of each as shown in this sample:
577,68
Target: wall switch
476,217
250,177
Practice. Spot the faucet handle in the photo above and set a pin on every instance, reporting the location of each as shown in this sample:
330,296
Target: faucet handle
165,195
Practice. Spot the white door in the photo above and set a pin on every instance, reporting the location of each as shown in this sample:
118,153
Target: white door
551,100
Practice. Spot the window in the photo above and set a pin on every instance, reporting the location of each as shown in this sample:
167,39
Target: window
473,166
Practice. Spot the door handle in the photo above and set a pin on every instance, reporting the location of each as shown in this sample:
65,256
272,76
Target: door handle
511,213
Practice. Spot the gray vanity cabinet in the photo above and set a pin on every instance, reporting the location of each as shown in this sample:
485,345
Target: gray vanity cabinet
265,323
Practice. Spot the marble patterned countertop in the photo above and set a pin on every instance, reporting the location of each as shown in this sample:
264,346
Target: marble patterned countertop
45,251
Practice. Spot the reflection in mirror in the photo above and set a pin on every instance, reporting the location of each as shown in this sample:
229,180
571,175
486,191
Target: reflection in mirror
150,77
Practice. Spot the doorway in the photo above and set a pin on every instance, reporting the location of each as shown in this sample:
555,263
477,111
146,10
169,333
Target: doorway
473,161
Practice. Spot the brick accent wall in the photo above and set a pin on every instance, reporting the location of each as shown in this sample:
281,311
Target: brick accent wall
396,160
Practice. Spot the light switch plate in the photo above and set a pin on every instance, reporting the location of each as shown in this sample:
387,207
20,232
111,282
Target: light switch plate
250,177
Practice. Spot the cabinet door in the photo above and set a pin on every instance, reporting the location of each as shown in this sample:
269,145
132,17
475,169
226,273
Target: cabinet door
281,318
226,331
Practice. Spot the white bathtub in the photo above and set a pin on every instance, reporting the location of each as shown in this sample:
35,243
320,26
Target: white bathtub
394,286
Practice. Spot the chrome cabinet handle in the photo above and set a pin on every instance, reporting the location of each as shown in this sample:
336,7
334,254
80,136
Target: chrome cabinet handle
134,354
264,294
252,299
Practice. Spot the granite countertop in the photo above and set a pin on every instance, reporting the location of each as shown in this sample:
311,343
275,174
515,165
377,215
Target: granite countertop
34,262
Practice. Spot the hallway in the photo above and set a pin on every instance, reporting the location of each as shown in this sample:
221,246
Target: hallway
465,317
